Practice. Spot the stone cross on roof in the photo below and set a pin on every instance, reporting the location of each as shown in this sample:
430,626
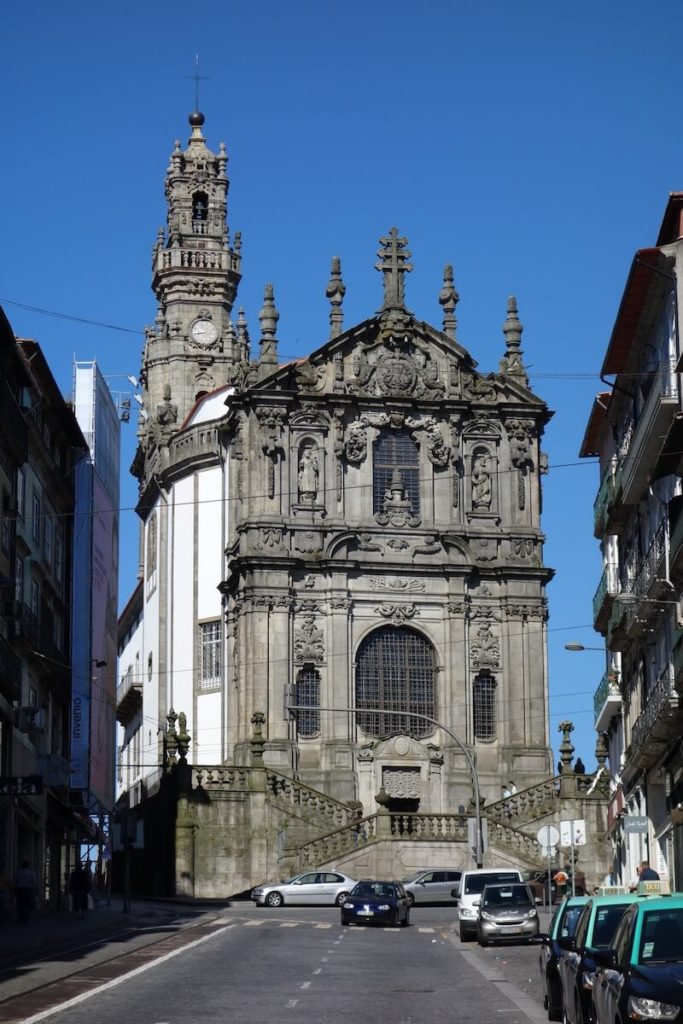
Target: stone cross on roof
393,262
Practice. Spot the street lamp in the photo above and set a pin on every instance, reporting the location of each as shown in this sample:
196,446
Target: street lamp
439,725
575,646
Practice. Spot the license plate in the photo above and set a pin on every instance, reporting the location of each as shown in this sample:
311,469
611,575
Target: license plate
365,913
510,931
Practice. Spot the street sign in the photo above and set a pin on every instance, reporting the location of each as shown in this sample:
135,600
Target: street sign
573,832
634,823
549,852
18,785
547,836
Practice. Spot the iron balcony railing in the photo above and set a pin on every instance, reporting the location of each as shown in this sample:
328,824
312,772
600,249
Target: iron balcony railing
607,697
608,586
660,699
648,567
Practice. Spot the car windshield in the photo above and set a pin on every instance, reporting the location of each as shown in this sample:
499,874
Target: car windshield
476,883
569,921
605,925
661,936
506,896
374,890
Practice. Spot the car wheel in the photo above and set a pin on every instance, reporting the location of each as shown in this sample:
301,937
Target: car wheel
341,898
411,899
464,937
344,921
406,920
482,941
274,899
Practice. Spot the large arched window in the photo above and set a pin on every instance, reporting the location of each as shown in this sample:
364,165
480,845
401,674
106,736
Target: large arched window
395,670
484,706
308,693
395,449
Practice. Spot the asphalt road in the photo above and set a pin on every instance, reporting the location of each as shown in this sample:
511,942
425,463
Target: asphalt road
245,965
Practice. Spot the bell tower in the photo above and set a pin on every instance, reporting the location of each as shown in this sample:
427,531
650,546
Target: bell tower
192,347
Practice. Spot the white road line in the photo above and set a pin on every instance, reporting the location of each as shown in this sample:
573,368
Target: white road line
322,925
291,1003
253,924
426,930
44,1014
305,984
535,1013
318,970
290,924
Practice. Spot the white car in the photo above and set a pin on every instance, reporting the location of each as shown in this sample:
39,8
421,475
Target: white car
312,887
432,885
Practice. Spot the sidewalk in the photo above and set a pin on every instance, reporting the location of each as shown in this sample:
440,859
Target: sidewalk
51,929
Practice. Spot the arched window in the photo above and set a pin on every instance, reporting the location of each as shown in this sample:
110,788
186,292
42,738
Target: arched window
200,206
308,692
395,449
484,706
395,670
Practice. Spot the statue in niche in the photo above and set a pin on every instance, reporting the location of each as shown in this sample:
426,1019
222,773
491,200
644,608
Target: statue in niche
167,411
481,482
308,474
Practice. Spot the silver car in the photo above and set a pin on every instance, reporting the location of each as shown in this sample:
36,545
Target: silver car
311,887
507,913
432,885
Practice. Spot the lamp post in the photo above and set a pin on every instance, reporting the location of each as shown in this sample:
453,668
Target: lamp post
424,718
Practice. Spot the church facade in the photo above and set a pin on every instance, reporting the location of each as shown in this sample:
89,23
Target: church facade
342,553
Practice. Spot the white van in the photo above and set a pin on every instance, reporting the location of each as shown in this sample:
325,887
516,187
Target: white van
471,887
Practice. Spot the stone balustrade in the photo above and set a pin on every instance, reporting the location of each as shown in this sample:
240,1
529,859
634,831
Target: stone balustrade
226,777
310,803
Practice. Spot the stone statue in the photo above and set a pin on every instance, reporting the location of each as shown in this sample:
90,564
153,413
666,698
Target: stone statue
308,474
481,483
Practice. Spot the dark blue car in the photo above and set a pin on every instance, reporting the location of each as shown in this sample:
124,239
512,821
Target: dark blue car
376,902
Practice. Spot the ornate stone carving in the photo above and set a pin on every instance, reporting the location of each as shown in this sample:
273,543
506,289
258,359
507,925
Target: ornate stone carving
438,452
401,783
484,611
395,366
367,542
270,421
397,613
485,549
398,544
477,388
307,541
309,377
356,445
428,546
309,473
397,506
482,486
521,549
366,752
309,644
238,456
485,648
340,604
309,606
457,608
270,537
404,584
519,435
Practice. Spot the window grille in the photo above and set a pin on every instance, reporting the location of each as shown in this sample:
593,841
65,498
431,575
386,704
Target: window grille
308,692
211,654
395,449
484,707
395,670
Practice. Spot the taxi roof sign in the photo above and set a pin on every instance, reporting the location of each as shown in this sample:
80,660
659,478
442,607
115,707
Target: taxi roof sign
612,890
654,888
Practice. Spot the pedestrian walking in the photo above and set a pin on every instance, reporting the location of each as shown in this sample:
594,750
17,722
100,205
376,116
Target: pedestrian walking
25,891
512,788
505,790
648,874
79,887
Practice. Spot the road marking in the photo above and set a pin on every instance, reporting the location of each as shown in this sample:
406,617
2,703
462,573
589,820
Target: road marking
290,1003
76,1000
324,959
290,924
305,984
322,925
426,930
253,924
523,1002
318,970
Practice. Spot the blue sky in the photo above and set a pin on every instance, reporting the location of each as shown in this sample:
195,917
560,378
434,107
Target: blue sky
532,145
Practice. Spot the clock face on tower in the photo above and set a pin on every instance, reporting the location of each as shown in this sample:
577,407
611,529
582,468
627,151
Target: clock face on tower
204,332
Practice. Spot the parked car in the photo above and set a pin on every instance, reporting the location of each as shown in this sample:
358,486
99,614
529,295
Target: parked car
640,976
595,930
472,884
562,925
376,902
433,885
311,887
507,913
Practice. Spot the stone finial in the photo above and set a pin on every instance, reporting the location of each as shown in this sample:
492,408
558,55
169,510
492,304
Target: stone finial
335,292
183,737
269,317
243,334
601,750
238,241
393,263
512,364
566,746
449,298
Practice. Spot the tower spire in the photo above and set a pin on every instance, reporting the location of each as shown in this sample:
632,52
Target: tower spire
197,79
335,292
393,263
449,298
512,363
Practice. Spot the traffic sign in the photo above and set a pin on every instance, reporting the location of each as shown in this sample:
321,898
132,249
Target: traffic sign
573,832
18,785
547,836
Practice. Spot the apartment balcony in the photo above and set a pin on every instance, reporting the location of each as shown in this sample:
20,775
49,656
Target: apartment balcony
657,725
604,596
10,672
609,513
644,438
650,579
621,618
128,697
676,534
606,700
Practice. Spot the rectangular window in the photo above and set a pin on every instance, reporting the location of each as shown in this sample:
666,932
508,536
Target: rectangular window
308,694
211,654
19,579
47,540
59,554
21,494
35,598
35,518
